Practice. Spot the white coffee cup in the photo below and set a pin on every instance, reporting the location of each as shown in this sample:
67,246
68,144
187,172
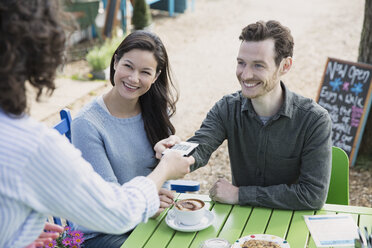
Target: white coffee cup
189,211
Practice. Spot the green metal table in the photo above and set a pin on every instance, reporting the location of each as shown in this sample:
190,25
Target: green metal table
233,221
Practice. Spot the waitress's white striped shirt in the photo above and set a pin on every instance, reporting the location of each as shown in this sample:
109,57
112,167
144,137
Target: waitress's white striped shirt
42,174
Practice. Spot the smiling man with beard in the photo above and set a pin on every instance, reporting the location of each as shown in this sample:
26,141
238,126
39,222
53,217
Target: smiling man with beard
279,142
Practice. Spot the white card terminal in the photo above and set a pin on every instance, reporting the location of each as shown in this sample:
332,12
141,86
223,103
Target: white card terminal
186,148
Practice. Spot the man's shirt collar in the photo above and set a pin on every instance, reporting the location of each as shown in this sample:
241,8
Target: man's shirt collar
286,109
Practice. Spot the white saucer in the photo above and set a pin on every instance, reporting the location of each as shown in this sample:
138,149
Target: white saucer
205,222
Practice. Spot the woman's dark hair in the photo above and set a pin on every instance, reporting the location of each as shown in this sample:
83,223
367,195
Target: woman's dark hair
281,35
32,44
158,103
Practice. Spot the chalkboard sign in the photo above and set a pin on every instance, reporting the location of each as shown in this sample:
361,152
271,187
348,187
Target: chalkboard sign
346,93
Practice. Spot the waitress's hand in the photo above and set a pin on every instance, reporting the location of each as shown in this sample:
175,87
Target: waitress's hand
171,166
46,237
166,200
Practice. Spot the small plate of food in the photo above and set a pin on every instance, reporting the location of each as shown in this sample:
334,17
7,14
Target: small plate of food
260,241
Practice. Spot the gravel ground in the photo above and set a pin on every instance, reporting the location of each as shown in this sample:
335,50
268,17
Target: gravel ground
202,47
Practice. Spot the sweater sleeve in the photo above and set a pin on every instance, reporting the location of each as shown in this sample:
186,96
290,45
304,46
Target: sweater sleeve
87,139
58,181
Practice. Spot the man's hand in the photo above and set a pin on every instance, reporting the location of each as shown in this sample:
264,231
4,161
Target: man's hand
164,144
166,200
46,237
224,192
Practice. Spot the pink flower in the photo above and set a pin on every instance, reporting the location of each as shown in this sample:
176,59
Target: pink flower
67,241
70,239
78,240
51,244
76,234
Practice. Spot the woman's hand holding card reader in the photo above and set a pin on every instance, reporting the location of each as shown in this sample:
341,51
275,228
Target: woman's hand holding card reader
186,148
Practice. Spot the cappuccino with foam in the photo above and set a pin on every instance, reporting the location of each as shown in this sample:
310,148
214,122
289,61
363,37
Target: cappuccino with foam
189,204
189,211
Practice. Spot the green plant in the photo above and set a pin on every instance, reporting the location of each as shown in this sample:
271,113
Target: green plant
141,15
99,57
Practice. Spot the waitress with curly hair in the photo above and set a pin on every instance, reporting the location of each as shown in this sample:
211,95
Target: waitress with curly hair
41,173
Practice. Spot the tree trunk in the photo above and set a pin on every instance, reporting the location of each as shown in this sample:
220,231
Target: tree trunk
365,56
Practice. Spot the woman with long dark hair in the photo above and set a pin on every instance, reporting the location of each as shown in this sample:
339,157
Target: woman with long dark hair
117,131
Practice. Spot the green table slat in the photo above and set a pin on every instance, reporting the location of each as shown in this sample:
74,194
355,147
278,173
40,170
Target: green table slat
142,232
221,212
320,212
279,223
257,221
184,239
181,239
235,223
161,237
298,233
365,220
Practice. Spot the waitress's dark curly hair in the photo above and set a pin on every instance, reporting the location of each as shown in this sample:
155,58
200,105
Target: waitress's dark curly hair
32,43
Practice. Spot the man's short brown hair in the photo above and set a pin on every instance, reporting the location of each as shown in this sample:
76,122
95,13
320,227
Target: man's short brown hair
281,35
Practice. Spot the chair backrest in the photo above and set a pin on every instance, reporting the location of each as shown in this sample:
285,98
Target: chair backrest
338,192
64,126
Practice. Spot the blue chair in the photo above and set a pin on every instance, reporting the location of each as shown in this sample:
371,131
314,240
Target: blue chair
64,128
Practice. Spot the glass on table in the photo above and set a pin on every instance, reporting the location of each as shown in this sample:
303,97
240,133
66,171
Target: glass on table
215,243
